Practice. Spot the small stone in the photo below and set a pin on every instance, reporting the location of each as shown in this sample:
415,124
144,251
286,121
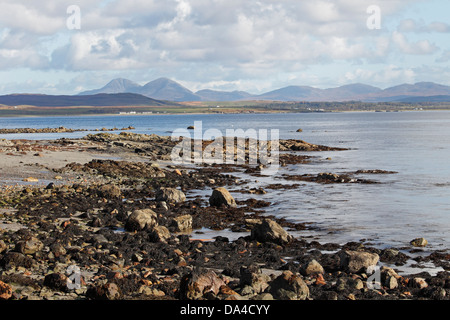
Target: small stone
30,246
289,286
357,261
253,277
57,281
221,196
419,242
159,234
5,291
109,191
270,231
31,179
311,267
3,246
182,223
199,282
419,283
141,219
170,195
108,291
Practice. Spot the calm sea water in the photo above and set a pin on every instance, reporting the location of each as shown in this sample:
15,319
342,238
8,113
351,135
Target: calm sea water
413,203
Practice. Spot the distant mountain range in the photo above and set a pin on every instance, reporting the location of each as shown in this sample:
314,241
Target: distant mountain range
165,92
167,89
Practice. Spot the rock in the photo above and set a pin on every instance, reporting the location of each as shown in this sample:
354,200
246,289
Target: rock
389,277
253,277
311,268
30,246
289,286
5,291
299,130
58,249
328,176
109,191
182,223
221,196
149,291
357,261
263,296
419,283
419,242
170,195
141,219
199,282
270,231
346,283
16,259
30,179
107,291
390,283
57,281
3,246
159,234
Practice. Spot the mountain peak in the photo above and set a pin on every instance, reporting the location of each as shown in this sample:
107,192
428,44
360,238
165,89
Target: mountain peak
167,89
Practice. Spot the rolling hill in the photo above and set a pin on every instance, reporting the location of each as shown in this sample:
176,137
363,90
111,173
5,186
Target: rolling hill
96,100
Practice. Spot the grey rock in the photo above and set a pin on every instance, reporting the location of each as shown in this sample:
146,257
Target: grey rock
159,234
270,231
289,286
311,267
357,261
221,196
141,219
182,223
170,195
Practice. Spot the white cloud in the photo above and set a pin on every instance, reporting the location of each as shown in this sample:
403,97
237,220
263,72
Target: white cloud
416,48
388,76
411,25
212,40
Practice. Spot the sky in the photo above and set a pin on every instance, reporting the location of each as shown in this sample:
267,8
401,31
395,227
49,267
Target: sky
65,47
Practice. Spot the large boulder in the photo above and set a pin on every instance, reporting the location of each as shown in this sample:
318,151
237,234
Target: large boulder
221,197
141,219
357,261
170,195
270,231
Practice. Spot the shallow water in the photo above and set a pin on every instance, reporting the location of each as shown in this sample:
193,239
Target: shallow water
413,203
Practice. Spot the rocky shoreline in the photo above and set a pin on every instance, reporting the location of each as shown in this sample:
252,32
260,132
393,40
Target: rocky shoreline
115,222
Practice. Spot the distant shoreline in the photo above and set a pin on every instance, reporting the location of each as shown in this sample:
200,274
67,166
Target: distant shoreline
216,113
